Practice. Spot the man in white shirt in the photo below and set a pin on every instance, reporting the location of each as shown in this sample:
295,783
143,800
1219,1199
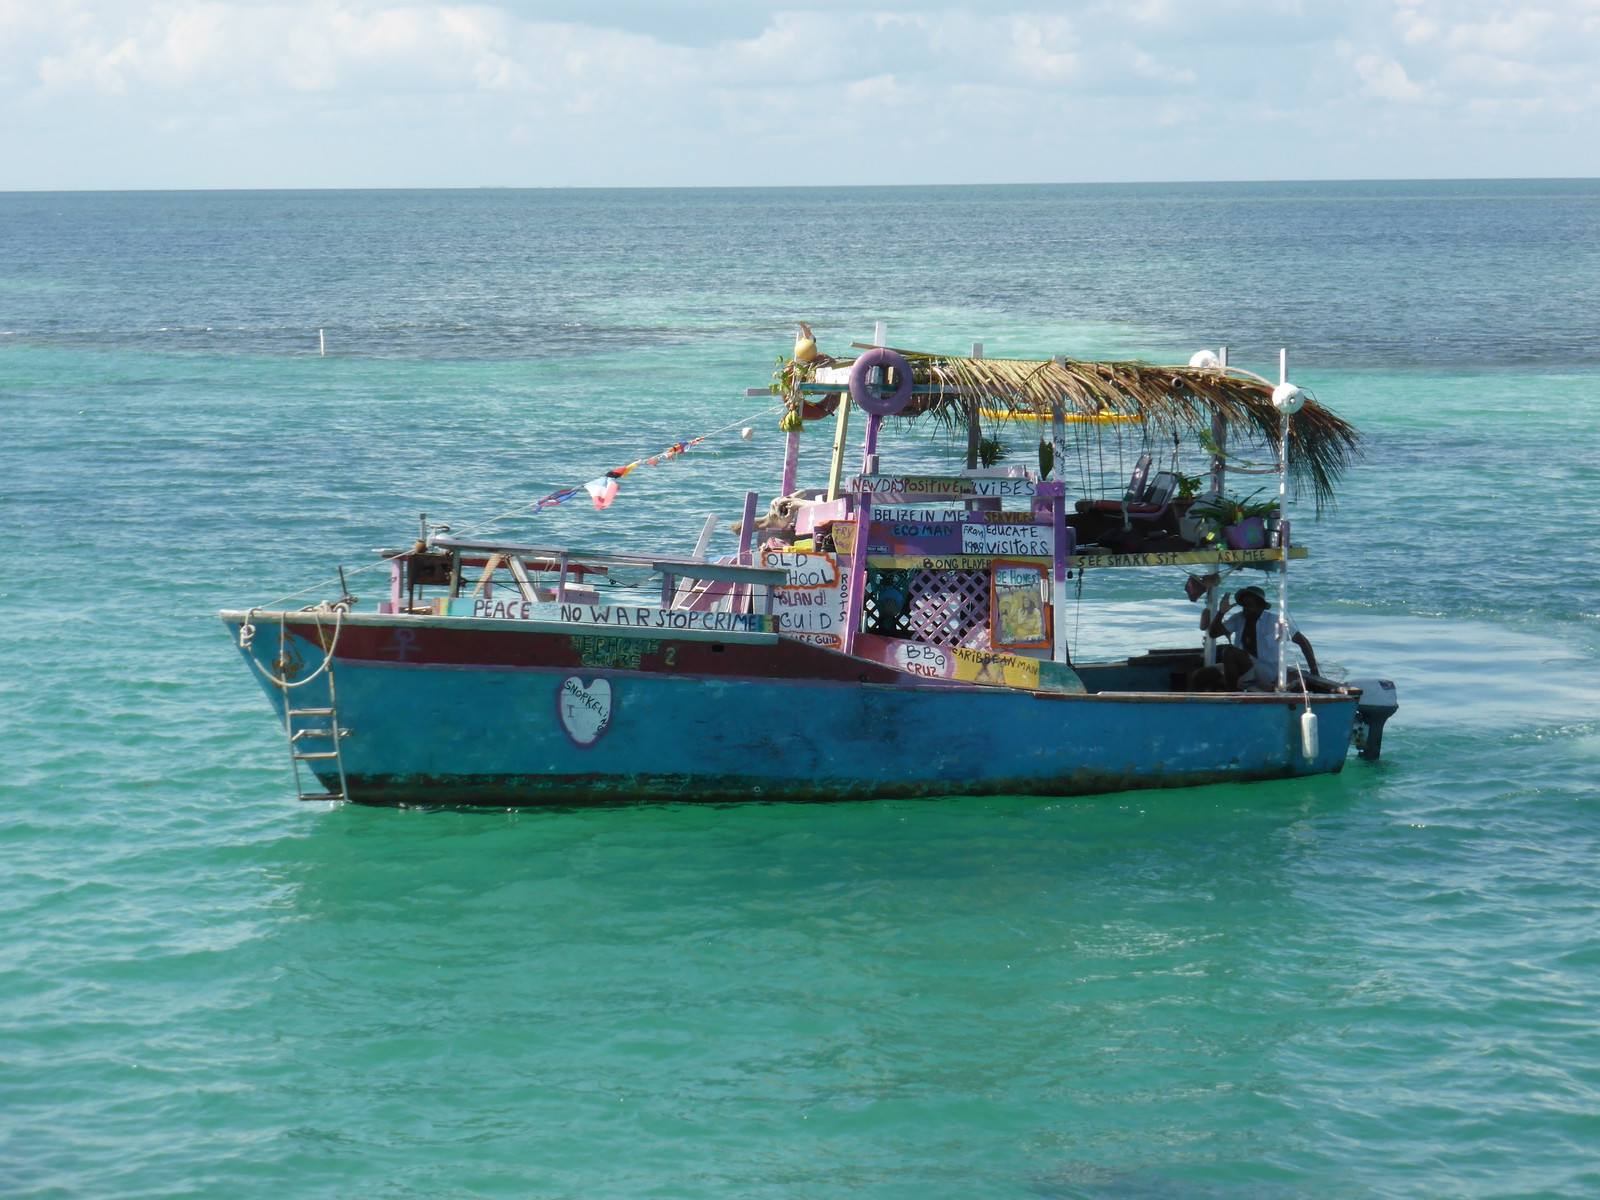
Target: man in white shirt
1252,661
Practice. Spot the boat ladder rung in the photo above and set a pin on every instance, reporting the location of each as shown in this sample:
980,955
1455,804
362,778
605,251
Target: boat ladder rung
325,728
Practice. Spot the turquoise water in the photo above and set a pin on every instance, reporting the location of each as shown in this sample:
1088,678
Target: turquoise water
1380,984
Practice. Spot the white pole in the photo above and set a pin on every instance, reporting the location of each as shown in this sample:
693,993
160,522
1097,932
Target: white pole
1219,483
880,333
322,344
1058,435
1283,548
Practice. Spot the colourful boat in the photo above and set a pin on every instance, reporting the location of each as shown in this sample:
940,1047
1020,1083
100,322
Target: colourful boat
883,636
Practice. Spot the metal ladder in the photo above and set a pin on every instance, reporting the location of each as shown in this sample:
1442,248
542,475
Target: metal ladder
299,726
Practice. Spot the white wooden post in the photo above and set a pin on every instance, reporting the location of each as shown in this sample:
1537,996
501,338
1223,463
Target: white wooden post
1283,550
1219,483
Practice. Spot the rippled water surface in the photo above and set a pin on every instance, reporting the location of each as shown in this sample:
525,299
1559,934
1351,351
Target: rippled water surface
1380,984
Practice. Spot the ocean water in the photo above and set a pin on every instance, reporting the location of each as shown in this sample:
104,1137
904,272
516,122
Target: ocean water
1379,984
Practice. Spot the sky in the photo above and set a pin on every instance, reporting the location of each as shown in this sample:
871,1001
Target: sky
122,94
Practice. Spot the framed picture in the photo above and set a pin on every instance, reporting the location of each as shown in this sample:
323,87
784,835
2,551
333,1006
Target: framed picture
1019,618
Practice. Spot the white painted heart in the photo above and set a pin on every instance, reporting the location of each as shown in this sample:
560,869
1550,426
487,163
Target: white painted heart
585,708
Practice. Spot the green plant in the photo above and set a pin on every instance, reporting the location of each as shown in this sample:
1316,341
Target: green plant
1189,485
1228,510
991,451
787,379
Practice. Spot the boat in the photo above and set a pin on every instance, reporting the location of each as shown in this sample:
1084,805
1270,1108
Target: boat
880,635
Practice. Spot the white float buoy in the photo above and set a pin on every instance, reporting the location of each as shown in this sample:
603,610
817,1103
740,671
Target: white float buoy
1308,734
1205,360
747,432
1288,399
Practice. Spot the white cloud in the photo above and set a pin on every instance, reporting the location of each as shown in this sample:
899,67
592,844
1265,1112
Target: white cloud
1385,79
1069,76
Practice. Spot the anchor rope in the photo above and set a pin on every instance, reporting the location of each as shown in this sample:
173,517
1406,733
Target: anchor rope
247,633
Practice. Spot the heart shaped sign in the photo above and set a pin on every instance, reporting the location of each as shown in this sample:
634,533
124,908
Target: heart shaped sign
585,709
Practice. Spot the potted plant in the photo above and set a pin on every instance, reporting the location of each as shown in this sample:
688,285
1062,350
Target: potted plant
1243,523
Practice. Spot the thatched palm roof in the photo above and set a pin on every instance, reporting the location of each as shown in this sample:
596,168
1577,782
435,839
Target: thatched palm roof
1169,400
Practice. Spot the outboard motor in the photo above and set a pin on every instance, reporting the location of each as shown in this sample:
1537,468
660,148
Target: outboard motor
1377,704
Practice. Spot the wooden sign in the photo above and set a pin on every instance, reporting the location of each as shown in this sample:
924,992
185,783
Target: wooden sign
975,535
928,486
811,606
1026,541
957,663
1018,614
1183,558
925,516
619,616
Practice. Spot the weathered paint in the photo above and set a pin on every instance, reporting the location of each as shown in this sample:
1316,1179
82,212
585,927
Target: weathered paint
455,715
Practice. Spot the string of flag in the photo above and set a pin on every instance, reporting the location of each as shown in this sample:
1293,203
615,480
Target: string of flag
603,490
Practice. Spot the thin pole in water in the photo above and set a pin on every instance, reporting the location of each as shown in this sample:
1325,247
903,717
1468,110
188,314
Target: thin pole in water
322,344
1283,541
1219,485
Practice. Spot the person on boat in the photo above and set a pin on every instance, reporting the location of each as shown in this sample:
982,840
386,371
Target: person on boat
1252,661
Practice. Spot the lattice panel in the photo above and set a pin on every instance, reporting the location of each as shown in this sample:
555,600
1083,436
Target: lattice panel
889,620
949,608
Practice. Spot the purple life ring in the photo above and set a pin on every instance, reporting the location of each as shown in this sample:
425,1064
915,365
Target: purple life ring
873,398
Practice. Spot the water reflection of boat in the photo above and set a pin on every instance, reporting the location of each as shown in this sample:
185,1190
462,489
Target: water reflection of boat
885,635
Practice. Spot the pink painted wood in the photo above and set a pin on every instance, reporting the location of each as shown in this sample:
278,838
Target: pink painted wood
858,572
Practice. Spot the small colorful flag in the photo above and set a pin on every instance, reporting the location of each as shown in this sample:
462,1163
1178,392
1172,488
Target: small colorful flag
602,491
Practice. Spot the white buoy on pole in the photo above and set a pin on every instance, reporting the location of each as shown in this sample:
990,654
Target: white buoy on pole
1288,400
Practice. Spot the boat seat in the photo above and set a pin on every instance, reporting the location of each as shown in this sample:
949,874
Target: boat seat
1149,503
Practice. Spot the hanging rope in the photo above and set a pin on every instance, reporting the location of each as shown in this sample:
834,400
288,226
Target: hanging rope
247,633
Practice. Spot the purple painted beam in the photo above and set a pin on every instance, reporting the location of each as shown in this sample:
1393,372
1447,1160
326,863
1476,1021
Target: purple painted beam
869,444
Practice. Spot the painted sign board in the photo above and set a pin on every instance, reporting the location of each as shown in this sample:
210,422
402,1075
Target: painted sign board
1028,541
614,616
928,486
975,534
1018,614
924,516
811,606
1182,558
957,663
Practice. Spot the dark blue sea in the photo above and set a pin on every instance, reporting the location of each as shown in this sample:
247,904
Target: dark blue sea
1372,985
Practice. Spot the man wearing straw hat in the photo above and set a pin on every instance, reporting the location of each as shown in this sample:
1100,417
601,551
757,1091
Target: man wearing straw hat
1251,663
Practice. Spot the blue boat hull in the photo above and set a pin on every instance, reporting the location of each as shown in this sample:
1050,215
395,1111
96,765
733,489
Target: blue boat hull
471,714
